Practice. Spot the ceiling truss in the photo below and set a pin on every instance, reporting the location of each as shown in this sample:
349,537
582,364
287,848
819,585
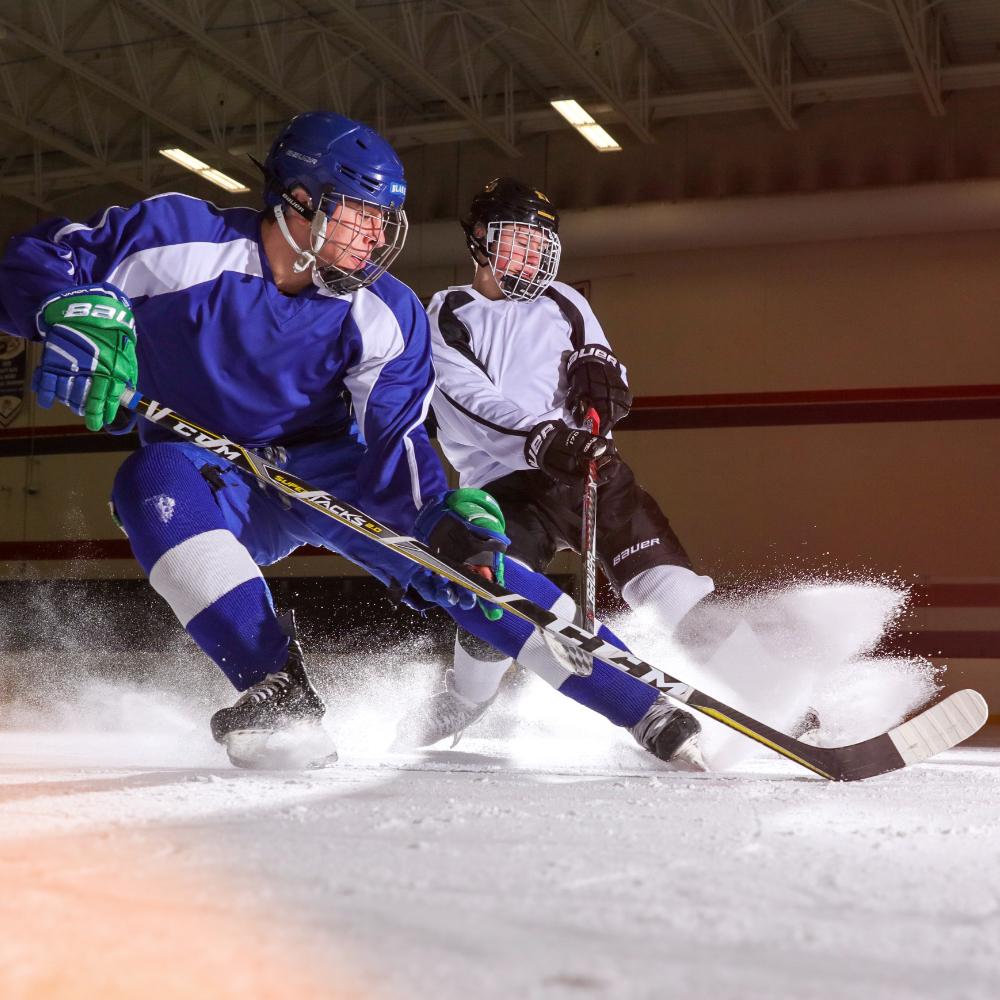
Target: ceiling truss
98,86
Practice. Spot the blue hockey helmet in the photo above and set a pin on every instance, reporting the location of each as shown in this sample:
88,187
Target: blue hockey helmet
321,150
337,160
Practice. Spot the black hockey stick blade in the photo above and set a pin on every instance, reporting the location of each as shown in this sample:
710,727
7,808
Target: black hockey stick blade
936,729
932,731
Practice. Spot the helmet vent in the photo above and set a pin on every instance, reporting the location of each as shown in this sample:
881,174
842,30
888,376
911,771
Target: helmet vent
369,183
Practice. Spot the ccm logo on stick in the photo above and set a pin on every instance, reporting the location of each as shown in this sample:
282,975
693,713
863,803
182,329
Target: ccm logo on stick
632,549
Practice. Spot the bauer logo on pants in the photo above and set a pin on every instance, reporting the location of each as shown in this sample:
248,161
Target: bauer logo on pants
632,549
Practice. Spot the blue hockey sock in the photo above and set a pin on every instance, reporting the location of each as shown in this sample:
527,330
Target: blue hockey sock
180,538
620,698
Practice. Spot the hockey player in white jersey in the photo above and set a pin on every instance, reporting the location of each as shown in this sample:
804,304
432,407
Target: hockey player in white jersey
281,329
519,359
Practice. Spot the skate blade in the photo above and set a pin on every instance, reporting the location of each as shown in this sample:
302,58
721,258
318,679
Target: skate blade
410,741
302,747
689,756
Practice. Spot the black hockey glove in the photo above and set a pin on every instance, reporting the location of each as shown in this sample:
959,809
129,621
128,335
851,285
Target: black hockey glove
564,452
595,380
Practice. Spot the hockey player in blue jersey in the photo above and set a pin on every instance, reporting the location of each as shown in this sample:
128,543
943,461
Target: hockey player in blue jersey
283,330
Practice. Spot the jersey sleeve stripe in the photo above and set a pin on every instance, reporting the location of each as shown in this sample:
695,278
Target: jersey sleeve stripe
455,332
159,270
572,315
382,341
411,453
481,420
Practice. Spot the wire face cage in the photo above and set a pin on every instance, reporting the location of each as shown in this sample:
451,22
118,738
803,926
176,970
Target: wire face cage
524,258
354,242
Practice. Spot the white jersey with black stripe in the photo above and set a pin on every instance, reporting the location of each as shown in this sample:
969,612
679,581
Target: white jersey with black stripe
501,368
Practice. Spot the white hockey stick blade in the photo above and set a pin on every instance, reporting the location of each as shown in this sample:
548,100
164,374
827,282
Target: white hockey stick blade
941,727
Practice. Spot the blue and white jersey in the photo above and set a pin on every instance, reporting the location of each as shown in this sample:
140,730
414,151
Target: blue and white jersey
218,342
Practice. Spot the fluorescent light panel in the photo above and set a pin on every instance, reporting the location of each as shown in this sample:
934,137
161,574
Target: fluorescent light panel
581,120
196,166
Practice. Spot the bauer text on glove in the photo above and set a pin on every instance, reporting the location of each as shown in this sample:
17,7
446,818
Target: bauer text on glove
595,380
565,453
88,353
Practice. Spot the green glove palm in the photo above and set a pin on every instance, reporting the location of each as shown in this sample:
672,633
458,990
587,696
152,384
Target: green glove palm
477,507
89,354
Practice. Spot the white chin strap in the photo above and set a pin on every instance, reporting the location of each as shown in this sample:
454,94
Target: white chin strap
305,259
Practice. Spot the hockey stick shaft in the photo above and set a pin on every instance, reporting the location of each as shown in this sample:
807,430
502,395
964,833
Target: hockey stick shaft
861,760
588,536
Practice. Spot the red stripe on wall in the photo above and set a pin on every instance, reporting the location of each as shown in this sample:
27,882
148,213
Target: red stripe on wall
54,430
791,398
955,644
957,595
824,406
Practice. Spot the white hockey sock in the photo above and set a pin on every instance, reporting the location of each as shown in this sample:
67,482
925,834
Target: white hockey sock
477,680
668,591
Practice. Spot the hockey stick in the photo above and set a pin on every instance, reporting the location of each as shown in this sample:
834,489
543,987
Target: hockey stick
935,729
588,537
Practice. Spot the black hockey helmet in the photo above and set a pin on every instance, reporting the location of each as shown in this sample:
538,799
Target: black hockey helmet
506,210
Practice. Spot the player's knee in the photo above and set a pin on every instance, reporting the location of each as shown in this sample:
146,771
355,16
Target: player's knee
151,469
161,499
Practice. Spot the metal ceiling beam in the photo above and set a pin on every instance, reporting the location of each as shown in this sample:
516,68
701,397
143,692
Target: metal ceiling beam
398,56
493,35
666,106
220,53
139,79
100,82
29,199
634,30
919,30
764,52
49,137
308,17
531,121
541,25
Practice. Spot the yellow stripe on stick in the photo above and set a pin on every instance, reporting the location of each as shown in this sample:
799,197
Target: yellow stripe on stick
777,748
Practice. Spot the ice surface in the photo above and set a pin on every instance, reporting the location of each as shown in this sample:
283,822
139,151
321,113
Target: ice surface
471,873
546,856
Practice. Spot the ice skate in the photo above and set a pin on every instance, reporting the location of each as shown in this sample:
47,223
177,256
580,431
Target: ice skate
671,734
807,727
445,714
278,723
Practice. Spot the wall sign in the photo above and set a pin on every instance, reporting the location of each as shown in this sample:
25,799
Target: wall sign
13,357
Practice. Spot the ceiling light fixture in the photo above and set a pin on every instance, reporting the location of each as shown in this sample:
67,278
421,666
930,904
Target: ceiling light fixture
595,134
217,177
